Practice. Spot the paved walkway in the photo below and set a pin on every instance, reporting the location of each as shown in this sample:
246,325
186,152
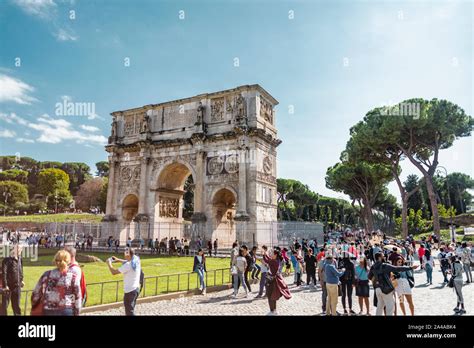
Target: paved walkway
436,299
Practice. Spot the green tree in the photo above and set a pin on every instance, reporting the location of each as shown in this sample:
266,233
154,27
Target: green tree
362,182
415,201
366,144
78,173
102,200
102,168
14,175
51,180
13,193
420,136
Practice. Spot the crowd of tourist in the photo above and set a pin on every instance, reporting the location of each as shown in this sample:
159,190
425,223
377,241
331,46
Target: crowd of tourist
345,264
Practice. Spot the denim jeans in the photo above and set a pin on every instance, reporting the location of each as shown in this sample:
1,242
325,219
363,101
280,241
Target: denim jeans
429,273
201,275
324,295
239,278
129,301
263,280
467,269
256,271
444,270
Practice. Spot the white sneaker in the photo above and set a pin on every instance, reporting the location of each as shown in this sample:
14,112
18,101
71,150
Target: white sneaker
204,292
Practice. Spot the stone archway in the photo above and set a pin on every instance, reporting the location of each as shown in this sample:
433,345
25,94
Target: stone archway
223,214
170,191
223,140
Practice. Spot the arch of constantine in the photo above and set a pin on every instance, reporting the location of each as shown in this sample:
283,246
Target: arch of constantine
226,141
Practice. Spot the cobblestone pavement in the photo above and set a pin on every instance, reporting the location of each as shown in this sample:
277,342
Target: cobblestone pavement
436,299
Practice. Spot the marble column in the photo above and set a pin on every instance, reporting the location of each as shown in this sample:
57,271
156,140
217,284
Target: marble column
142,199
111,190
242,214
199,188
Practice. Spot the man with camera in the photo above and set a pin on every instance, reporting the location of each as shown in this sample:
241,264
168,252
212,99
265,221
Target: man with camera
132,278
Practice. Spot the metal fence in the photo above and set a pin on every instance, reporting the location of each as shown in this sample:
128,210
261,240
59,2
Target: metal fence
244,232
112,291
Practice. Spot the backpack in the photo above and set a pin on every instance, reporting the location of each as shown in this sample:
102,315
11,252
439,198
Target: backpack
444,261
385,286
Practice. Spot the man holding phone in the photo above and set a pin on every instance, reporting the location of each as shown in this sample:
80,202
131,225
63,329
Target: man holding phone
131,270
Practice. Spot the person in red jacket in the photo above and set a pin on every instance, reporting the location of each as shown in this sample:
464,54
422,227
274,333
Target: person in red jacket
421,253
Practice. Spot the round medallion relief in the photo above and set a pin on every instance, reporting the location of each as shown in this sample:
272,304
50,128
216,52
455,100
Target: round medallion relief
267,165
232,164
126,174
215,165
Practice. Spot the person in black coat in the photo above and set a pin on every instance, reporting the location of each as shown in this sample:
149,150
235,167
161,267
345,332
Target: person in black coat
250,265
347,281
310,262
12,280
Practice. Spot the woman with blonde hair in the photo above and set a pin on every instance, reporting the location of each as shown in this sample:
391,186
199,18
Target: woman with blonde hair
58,291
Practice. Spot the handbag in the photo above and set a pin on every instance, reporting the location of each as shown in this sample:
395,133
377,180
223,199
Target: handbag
394,281
233,270
37,308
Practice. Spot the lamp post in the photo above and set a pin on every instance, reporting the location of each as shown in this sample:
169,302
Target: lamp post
6,195
449,200
56,201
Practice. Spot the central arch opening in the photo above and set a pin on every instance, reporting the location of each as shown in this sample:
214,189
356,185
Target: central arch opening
175,194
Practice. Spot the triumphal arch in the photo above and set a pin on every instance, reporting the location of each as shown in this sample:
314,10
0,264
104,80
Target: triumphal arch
225,140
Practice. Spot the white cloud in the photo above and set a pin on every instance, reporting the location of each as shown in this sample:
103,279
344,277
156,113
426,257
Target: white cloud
93,116
13,118
14,90
25,140
48,11
90,128
6,133
56,130
41,8
65,35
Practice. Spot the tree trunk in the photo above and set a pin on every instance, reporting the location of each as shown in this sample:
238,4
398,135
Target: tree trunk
404,196
404,215
368,216
434,205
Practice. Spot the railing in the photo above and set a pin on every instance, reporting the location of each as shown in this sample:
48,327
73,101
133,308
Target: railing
112,291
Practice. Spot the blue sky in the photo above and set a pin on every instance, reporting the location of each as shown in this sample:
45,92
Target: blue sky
329,61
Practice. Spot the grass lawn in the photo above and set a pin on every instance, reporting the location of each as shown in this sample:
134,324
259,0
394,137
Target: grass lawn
152,266
52,218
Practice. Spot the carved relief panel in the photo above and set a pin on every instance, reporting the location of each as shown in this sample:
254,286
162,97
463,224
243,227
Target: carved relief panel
169,207
266,110
217,109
